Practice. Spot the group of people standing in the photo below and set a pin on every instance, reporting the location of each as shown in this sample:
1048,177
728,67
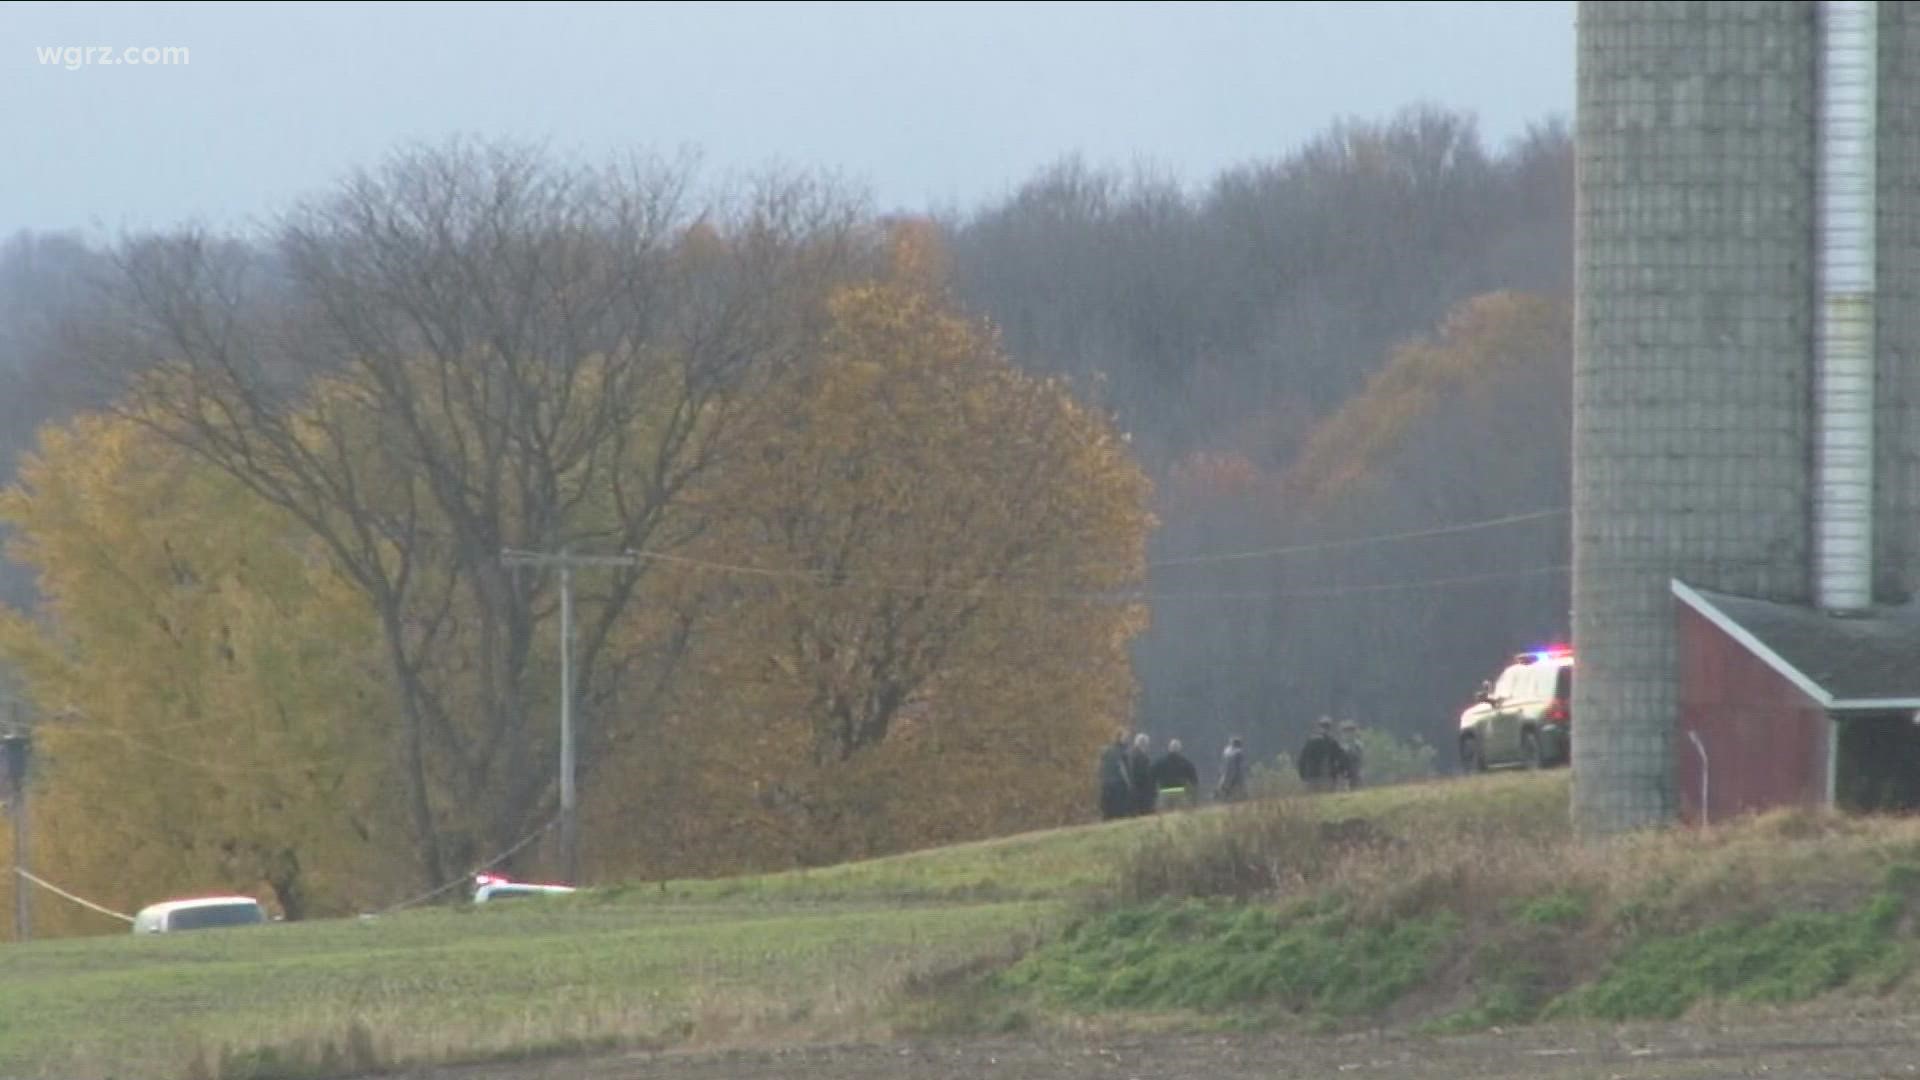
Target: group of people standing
1133,782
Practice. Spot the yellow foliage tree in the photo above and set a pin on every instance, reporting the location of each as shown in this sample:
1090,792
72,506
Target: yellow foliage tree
211,712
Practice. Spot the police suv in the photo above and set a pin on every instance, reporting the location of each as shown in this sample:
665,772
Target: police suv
1524,717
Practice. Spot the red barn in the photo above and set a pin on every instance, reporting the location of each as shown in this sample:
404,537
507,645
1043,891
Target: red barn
1782,705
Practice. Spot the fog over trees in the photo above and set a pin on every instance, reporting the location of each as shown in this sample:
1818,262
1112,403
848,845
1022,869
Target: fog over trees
1226,327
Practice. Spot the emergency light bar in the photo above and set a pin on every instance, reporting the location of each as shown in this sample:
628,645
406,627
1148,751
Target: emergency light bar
1552,652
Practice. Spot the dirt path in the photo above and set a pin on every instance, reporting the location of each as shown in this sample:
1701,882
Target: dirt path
1801,1048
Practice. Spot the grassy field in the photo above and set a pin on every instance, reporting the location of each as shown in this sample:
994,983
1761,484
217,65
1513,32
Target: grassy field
433,986
821,952
683,963
1451,906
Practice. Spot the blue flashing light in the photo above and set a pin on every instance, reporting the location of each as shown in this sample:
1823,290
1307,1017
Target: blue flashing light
1551,652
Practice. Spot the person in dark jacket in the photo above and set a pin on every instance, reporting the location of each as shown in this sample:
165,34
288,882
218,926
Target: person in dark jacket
1140,771
1116,786
1322,760
1173,772
1355,751
1233,772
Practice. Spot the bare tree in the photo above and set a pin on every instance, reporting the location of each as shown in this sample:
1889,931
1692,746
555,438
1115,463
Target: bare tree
469,349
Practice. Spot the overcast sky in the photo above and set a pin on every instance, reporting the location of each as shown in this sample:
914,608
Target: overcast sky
927,104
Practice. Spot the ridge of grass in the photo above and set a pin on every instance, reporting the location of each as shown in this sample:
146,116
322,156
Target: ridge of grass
1452,906
1789,957
1208,956
1487,915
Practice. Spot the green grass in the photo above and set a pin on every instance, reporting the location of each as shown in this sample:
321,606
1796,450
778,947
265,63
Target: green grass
1562,907
1210,957
1790,957
1068,863
440,985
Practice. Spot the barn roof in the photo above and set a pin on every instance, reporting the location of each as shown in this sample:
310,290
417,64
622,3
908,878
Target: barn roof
1846,663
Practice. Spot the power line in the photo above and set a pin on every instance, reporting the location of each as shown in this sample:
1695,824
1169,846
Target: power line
1389,586
1361,541
821,576
1145,594
828,580
488,865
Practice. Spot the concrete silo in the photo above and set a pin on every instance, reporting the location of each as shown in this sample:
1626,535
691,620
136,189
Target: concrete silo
1747,354
1694,311
1896,561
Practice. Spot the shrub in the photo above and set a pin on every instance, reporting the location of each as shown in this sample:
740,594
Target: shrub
1275,779
1389,759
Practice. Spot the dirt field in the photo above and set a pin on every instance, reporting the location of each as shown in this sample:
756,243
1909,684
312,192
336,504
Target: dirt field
1803,1048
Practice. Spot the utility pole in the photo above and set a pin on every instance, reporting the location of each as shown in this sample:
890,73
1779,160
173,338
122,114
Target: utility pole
566,561
15,747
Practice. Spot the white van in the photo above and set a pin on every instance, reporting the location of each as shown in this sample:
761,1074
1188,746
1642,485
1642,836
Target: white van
203,913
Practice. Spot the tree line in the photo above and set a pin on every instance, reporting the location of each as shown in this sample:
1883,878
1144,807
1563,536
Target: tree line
930,506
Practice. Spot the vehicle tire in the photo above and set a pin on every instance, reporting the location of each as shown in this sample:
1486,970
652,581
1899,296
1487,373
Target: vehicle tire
1530,749
1471,759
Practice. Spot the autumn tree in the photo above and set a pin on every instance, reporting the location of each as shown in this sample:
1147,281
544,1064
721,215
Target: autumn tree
1487,348
920,593
471,349
209,690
